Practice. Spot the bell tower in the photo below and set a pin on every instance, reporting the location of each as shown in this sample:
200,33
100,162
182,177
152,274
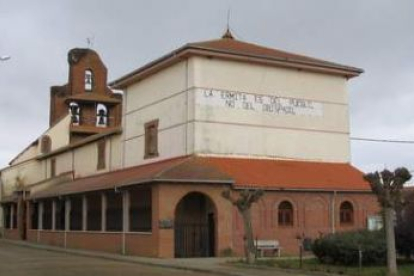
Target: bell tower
93,107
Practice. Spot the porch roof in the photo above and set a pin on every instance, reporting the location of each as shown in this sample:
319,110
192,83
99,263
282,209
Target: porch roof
182,169
240,172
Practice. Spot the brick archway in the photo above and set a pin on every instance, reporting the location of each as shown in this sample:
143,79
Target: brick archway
195,226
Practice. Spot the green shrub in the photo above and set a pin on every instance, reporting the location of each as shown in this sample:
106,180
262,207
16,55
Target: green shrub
342,248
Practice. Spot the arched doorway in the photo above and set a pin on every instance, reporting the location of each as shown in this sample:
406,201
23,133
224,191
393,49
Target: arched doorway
195,226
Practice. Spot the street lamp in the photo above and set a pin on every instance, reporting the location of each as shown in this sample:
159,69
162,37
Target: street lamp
4,58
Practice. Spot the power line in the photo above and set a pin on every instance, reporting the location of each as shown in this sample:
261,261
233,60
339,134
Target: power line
382,140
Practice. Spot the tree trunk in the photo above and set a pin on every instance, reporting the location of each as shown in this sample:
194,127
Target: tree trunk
248,241
389,232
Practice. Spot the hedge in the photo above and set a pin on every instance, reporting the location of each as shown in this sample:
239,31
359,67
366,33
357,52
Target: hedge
343,248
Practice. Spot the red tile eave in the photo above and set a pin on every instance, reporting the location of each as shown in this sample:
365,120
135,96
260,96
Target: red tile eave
241,173
109,180
292,175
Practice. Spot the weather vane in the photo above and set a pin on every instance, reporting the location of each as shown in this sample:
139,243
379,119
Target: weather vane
228,18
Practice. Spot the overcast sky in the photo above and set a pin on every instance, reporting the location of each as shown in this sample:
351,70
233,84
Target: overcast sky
376,35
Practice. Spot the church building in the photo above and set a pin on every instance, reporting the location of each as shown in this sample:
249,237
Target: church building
138,166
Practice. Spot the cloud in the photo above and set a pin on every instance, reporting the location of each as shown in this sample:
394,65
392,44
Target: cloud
371,34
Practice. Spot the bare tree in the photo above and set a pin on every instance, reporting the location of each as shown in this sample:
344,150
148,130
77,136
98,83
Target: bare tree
244,203
388,187
404,231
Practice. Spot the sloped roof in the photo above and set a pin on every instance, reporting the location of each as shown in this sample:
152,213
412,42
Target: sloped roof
230,48
288,174
241,173
234,46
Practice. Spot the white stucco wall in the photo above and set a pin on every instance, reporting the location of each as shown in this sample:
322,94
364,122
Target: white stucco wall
163,96
29,172
26,154
190,124
237,131
59,134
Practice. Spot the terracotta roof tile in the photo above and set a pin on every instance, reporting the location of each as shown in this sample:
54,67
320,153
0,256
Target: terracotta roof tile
230,48
287,174
133,175
241,173
244,48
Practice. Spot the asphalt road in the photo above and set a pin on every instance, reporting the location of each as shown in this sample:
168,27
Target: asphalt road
24,261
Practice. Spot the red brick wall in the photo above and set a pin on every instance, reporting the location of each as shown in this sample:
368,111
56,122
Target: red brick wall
90,61
107,242
141,244
166,198
12,234
312,217
32,235
52,238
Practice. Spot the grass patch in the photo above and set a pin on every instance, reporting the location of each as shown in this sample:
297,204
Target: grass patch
405,268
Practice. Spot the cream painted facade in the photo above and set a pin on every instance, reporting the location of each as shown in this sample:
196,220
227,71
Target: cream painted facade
78,162
189,125
163,96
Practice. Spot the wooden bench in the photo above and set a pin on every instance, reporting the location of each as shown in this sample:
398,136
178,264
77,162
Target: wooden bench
264,245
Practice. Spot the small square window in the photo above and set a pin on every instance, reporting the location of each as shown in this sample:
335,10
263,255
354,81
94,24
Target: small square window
151,139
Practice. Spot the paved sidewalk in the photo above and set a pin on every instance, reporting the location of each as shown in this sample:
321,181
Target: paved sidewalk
217,266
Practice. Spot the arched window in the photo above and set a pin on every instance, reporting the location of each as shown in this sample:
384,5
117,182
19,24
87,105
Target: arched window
285,213
101,115
74,110
88,80
45,144
346,213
